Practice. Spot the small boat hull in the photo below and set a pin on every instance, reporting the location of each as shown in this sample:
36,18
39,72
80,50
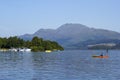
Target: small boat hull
48,51
100,56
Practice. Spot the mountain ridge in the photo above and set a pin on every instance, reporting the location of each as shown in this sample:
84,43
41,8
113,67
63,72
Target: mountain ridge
71,34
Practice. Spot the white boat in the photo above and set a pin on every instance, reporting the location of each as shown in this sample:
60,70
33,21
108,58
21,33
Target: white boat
13,49
28,50
24,50
20,50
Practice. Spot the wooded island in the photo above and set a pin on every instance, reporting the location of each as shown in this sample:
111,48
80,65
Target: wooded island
36,44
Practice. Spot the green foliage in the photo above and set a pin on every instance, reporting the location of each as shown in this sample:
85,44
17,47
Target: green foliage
36,44
27,44
14,42
1,42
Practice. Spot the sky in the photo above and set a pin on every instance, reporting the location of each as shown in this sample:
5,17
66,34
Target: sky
18,17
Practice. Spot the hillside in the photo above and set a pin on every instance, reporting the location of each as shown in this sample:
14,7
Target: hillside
74,35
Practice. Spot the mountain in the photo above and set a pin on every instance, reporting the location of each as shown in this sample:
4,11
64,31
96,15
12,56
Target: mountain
74,35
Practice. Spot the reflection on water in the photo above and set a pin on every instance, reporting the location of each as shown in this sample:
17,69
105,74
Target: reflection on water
65,65
15,66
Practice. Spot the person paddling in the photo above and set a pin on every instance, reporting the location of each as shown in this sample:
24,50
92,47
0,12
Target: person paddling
101,54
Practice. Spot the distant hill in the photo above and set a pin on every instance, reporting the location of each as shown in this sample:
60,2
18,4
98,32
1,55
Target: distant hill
75,35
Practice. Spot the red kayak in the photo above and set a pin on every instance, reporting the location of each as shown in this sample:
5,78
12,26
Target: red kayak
100,56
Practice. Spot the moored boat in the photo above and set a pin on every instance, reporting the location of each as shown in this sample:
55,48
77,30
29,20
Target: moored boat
48,51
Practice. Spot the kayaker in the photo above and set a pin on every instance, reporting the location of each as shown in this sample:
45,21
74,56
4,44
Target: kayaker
101,54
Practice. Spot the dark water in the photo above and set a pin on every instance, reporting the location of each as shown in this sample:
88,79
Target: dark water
65,65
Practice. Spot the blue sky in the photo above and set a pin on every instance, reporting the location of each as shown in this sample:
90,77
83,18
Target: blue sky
18,17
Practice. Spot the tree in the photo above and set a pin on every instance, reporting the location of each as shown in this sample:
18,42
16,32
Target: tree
36,41
1,43
36,44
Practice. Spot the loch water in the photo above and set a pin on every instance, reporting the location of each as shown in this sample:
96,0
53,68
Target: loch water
61,65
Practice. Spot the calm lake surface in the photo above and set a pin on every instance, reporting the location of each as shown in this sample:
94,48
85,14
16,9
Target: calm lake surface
63,65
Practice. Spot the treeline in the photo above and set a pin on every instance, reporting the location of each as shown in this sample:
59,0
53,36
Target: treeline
36,44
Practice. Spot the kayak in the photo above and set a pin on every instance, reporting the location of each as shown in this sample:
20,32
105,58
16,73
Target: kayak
100,56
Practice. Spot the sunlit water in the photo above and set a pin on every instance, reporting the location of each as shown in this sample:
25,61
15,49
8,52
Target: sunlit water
62,65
